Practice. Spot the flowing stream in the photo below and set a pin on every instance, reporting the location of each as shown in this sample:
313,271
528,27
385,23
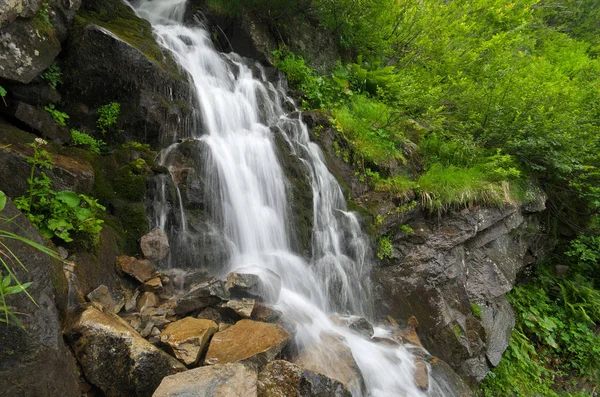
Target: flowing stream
239,113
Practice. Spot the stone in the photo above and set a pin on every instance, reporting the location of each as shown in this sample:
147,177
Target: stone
131,302
41,122
34,360
115,358
498,321
201,296
103,296
408,335
211,313
421,374
449,383
262,312
153,285
62,251
357,324
561,270
250,342
147,300
188,338
141,270
212,381
155,245
36,94
263,288
283,379
243,308
332,358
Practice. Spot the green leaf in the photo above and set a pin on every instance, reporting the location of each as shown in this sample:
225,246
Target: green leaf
2,198
68,197
2,92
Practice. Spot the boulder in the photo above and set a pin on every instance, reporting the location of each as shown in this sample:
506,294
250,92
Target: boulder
34,360
283,379
40,121
141,270
447,381
262,312
188,338
155,245
243,308
200,296
153,285
107,39
332,358
103,296
115,358
357,324
147,300
250,342
421,374
212,381
263,288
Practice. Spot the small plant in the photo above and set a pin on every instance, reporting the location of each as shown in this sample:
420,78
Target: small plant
3,94
476,310
58,214
406,229
53,75
82,139
384,248
43,12
58,116
107,116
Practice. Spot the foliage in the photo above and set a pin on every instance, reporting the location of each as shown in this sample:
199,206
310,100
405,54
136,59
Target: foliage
82,139
64,214
476,310
53,75
107,117
3,94
43,12
58,116
384,248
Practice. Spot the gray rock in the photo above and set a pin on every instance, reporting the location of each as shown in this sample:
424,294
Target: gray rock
360,326
283,379
447,381
115,358
263,288
103,296
155,245
201,296
211,381
242,307
34,360
498,321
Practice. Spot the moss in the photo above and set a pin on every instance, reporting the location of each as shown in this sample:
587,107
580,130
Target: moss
43,26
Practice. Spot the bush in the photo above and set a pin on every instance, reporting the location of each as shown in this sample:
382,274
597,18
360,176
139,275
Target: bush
107,117
82,139
53,75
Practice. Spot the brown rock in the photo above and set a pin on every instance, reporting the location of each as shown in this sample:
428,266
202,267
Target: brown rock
155,245
333,359
413,322
226,380
264,313
243,308
409,336
153,285
283,379
210,313
141,270
188,338
103,296
250,342
421,374
115,358
147,300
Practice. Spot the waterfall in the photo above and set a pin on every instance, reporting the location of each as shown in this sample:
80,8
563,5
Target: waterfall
239,113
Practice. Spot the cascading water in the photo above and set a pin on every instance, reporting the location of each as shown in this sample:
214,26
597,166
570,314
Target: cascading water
239,113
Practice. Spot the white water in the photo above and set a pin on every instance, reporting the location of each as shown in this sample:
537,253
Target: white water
248,195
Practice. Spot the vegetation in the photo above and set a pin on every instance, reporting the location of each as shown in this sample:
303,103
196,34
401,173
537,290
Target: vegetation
64,214
82,139
3,94
53,75
107,117
58,116
384,248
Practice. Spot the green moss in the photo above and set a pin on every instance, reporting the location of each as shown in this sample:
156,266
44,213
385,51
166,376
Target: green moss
43,26
476,310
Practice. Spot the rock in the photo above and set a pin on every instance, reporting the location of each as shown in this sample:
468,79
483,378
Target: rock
250,342
153,285
449,383
498,321
211,314
11,9
262,312
561,270
333,359
155,245
147,300
357,324
283,379
188,338
64,254
115,358
36,94
67,173
408,336
141,270
102,295
40,121
421,374
107,38
243,308
131,301
263,288
34,360
212,381
200,296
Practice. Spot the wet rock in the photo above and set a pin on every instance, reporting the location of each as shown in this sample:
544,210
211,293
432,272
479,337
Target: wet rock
201,296
34,360
103,296
333,359
243,308
283,379
421,374
141,270
146,301
188,338
115,358
357,324
210,313
408,335
448,381
262,312
263,288
250,342
40,121
155,245
212,381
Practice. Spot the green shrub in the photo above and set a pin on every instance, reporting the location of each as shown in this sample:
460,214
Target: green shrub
476,310
108,116
3,94
384,248
82,139
58,116
53,75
